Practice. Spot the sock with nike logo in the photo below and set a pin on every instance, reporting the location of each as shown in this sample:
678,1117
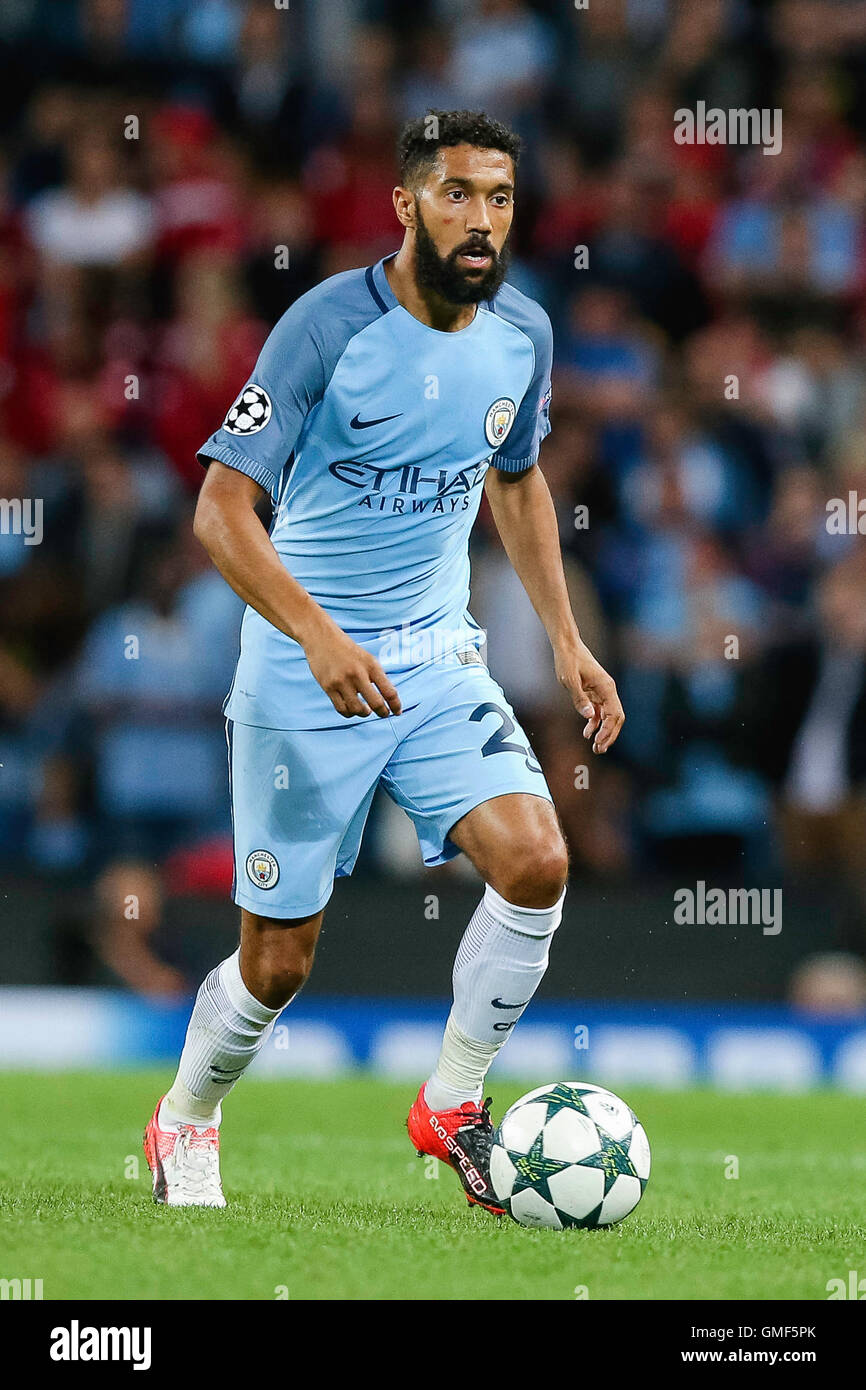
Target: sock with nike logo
227,1028
499,965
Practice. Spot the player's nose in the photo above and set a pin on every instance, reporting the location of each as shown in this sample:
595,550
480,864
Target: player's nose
478,218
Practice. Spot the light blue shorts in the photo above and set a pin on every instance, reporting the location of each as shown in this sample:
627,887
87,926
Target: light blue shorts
300,797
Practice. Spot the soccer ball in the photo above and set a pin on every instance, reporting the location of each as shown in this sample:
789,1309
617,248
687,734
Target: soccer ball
569,1154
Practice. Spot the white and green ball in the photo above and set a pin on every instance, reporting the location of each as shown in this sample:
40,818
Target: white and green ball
569,1154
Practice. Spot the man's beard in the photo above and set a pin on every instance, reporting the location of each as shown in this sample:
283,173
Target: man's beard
447,278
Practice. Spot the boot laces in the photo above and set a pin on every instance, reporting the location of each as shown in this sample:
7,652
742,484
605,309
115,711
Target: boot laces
196,1163
479,1116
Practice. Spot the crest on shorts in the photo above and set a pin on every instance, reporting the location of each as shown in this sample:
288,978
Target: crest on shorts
498,421
262,869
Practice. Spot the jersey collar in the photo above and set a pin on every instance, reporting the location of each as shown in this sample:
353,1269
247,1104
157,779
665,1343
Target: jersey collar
380,289
379,284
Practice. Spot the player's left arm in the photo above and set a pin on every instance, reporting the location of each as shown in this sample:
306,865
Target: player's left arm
526,520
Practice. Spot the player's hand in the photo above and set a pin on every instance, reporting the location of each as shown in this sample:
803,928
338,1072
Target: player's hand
352,679
594,694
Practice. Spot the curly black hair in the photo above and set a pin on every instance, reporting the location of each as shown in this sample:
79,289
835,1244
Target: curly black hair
422,138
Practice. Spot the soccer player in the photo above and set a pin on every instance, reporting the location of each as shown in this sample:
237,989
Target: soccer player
382,403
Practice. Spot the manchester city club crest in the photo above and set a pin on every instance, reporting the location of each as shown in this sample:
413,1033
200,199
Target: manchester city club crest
498,421
262,869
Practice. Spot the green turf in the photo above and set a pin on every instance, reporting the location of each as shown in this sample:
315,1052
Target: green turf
327,1200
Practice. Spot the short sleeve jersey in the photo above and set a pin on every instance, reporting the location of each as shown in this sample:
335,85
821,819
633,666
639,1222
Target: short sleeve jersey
373,433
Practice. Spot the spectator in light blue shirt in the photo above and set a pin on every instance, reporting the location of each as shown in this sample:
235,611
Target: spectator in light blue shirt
149,681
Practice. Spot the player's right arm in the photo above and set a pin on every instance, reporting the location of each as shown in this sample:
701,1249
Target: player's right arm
245,458
228,527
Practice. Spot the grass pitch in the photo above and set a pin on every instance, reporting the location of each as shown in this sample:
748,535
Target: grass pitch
328,1201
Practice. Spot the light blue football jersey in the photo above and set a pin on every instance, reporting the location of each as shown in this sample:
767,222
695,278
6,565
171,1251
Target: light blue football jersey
373,433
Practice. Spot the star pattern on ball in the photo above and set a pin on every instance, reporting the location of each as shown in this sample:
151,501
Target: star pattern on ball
534,1169
560,1095
613,1160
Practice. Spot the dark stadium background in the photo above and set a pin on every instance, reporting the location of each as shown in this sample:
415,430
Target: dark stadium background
172,177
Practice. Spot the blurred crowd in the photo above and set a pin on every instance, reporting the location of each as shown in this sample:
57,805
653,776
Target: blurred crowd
174,175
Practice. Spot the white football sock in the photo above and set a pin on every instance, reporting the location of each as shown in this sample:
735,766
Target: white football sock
500,963
227,1028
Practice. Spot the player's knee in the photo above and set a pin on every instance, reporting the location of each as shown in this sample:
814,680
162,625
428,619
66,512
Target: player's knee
278,981
534,873
276,967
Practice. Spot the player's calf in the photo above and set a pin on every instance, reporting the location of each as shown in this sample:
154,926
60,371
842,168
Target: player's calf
228,1027
500,963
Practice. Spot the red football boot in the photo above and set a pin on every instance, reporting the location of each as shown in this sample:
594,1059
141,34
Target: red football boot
462,1138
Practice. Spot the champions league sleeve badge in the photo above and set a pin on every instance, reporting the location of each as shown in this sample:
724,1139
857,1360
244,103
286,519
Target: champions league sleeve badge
498,421
251,411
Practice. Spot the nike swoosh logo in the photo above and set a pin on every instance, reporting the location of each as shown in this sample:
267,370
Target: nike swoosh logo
359,424
498,1004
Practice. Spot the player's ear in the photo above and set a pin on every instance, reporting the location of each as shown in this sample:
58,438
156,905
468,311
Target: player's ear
404,206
